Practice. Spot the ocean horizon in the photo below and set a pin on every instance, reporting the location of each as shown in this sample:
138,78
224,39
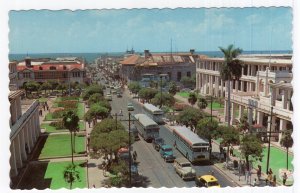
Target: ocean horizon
90,57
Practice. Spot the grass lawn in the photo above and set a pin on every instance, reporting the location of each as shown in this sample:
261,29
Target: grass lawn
51,129
59,145
48,117
50,175
184,94
80,110
43,99
215,106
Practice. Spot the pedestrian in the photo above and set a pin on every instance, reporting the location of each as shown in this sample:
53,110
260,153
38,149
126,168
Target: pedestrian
254,183
41,112
44,106
47,107
270,171
284,178
89,122
270,179
274,180
231,151
259,173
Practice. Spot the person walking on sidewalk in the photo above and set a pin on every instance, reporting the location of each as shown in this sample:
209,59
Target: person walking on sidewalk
274,180
284,178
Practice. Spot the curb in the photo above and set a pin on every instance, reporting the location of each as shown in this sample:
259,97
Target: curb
227,176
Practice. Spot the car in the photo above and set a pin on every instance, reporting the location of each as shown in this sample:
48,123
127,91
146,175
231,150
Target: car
207,181
108,97
166,153
184,168
157,143
130,107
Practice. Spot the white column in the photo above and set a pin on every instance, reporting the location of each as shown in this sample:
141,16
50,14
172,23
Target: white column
17,147
241,111
12,161
232,110
248,70
257,85
217,86
266,83
210,85
222,88
225,110
273,96
236,86
197,80
260,116
284,99
242,85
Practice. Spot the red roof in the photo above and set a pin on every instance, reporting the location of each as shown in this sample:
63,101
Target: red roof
44,67
131,60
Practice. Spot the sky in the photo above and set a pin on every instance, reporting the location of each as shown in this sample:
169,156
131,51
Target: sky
202,29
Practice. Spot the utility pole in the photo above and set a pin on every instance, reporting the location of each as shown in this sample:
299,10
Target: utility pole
269,143
160,91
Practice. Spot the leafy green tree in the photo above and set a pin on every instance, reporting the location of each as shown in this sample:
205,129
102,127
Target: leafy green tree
92,89
202,103
107,125
45,86
251,146
61,87
71,175
190,117
188,82
172,88
207,128
94,98
88,117
192,98
134,87
230,70
147,93
243,125
31,86
167,99
71,122
53,84
97,110
118,168
287,142
230,136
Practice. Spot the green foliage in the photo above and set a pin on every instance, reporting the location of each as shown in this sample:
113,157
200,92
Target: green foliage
202,103
71,121
92,89
147,93
230,135
134,87
251,146
107,125
97,110
167,99
286,139
188,82
116,169
45,86
31,86
71,175
243,124
190,117
69,98
207,128
68,104
192,98
58,125
172,88
94,98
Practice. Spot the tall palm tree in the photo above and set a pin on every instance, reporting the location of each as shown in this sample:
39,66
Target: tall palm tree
71,175
70,121
287,142
230,70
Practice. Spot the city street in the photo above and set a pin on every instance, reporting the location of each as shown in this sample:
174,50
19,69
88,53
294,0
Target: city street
151,166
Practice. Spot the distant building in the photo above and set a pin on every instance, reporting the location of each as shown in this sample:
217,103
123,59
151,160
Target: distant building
13,76
175,65
265,82
64,70
24,129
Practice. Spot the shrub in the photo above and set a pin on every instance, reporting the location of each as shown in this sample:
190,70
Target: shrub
68,104
58,125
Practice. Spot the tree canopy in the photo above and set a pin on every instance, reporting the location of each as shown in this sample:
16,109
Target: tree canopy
192,98
167,99
134,87
202,103
190,117
172,88
147,93
92,89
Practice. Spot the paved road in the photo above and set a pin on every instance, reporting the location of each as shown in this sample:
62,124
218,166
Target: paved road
156,172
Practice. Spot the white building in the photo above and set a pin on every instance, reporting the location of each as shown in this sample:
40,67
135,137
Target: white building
265,82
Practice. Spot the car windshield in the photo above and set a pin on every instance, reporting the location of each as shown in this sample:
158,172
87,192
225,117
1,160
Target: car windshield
186,165
159,140
215,183
168,149
129,104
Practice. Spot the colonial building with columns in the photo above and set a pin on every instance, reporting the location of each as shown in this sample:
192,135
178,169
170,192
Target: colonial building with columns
25,129
265,84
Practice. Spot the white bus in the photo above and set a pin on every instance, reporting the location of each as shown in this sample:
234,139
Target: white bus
147,128
154,113
193,147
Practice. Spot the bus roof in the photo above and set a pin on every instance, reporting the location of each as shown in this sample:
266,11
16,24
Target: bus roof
152,108
144,120
189,136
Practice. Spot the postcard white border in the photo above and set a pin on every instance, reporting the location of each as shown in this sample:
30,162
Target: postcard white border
7,5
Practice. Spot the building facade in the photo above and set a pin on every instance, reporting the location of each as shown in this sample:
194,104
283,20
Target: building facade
25,129
265,84
63,70
175,65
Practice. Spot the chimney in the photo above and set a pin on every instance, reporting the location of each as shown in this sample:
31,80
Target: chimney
28,62
147,53
192,51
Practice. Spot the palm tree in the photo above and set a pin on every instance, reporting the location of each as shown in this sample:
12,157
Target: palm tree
192,98
230,70
70,121
287,142
71,175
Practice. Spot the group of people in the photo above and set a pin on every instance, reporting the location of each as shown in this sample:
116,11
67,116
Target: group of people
45,107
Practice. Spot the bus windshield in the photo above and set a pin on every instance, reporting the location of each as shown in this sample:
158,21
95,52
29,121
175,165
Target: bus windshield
200,149
167,149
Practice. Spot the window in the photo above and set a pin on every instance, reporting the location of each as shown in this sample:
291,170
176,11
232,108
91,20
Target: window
26,75
188,74
178,76
65,68
52,68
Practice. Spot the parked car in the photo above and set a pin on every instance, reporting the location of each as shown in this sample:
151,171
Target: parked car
157,143
207,181
130,107
166,153
184,168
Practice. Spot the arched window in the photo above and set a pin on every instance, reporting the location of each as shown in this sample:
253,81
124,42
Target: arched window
52,68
